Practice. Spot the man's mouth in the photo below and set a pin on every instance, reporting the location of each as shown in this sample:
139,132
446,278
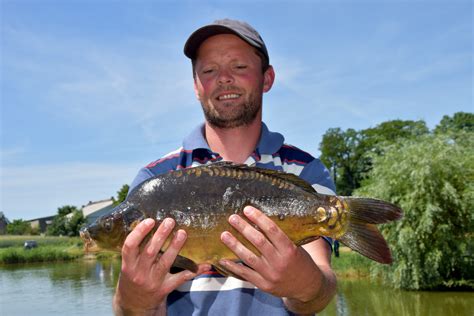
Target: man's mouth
229,96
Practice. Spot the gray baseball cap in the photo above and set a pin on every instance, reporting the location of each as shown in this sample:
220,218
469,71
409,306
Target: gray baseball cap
225,26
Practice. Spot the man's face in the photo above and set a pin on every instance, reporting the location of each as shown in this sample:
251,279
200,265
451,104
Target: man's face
229,81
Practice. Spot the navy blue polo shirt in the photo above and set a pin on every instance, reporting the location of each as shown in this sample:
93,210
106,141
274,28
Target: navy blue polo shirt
212,293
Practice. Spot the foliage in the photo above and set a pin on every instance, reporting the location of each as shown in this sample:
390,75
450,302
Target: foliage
349,153
75,223
431,178
339,152
461,121
66,209
19,227
18,241
68,222
122,194
39,254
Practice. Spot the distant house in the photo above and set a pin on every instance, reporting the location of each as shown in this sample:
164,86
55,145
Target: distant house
41,223
94,210
3,223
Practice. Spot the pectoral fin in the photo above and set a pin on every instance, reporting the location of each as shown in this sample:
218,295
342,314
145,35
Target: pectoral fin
185,264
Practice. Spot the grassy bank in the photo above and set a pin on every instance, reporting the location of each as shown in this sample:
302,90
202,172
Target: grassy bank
350,264
49,249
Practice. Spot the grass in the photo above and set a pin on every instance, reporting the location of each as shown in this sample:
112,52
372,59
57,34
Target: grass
350,264
50,249
8,241
40,254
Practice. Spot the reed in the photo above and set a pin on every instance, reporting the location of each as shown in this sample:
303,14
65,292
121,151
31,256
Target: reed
13,255
7,241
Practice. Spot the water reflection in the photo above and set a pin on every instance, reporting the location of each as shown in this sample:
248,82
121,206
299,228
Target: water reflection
87,286
73,288
363,297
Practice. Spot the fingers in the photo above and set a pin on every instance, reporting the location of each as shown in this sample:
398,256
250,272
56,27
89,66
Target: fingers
175,280
247,256
159,238
162,266
267,226
130,249
268,239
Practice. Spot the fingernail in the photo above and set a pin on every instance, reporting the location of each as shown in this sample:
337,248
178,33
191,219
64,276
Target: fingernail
180,235
168,223
225,236
234,219
149,222
248,210
223,262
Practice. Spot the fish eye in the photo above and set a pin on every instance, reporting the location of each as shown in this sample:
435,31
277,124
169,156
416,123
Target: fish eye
108,225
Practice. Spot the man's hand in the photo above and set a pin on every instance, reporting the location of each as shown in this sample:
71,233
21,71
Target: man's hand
303,278
145,280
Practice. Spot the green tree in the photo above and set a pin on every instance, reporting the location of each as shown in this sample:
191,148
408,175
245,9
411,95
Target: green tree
431,178
66,209
64,225
460,121
386,133
75,223
122,194
58,226
18,227
349,153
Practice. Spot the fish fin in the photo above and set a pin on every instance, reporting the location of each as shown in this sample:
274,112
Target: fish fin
185,263
366,239
287,177
372,211
219,268
306,240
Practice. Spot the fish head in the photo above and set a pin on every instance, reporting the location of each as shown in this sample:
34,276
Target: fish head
110,231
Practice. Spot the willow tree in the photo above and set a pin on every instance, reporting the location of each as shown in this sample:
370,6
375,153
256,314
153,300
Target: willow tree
432,179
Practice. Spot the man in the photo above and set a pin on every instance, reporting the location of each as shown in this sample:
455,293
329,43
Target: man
231,72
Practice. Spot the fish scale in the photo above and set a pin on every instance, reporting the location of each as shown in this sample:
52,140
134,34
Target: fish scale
201,199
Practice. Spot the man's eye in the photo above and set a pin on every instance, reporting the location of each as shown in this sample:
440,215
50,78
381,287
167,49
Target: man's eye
207,71
241,66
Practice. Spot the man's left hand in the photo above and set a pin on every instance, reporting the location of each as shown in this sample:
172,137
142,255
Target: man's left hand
282,268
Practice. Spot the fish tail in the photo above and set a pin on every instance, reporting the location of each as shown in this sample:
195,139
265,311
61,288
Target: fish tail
362,235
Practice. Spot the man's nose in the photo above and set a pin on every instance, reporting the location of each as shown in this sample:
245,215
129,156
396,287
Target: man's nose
225,77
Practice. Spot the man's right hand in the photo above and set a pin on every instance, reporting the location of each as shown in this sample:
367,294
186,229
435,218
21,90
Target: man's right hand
145,281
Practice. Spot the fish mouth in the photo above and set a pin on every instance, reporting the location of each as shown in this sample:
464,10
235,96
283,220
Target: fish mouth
89,244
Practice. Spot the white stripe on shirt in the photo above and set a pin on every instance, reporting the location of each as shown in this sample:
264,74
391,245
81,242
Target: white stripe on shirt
214,284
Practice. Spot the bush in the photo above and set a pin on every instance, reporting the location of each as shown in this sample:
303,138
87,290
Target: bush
431,178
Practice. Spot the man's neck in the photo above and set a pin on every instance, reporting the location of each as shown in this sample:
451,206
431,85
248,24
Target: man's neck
234,144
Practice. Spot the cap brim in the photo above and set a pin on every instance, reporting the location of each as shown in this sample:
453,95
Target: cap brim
200,35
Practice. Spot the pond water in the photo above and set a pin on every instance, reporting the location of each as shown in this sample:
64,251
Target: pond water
86,287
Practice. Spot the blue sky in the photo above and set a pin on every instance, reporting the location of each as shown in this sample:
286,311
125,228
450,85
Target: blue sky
93,90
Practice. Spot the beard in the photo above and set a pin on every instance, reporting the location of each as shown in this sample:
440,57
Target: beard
232,114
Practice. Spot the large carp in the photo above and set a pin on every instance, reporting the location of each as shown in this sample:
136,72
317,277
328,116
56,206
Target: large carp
201,199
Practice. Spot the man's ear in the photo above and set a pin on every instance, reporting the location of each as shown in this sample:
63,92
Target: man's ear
268,79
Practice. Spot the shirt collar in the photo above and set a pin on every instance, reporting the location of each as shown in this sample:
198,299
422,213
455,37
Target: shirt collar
269,143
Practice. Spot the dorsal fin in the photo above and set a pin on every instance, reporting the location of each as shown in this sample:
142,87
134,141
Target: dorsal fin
288,177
